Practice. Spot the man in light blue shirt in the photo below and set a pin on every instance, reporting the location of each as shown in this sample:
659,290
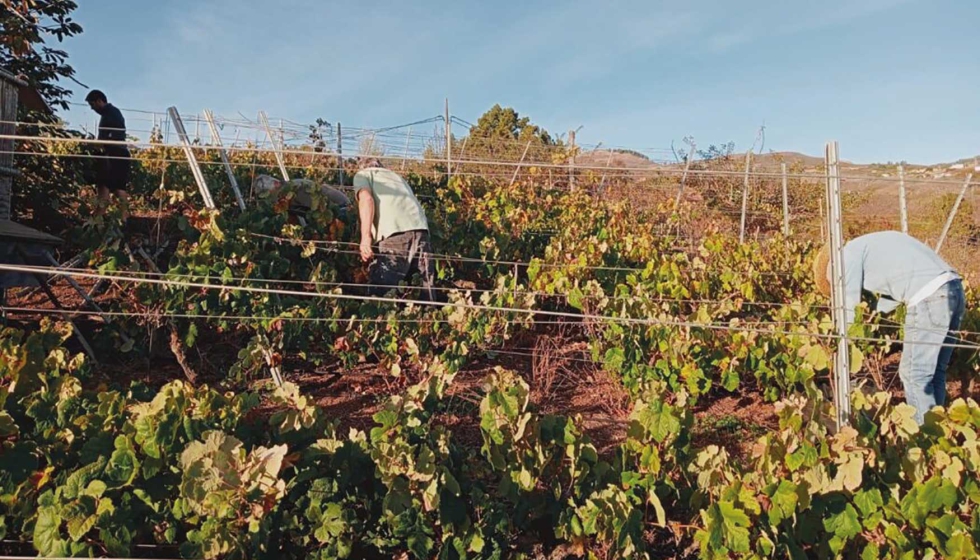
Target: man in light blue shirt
901,269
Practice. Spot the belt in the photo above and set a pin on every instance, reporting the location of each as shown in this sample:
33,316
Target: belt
931,287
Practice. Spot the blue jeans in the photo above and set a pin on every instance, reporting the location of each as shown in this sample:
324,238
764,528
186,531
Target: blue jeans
924,356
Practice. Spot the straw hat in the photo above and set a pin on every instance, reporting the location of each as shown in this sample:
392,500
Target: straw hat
821,270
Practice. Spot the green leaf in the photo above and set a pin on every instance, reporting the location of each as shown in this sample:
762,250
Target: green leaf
871,552
575,297
659,420
47,535
817,357
79,527
80,478
122,467
730,379
784,500
191,337
868,501
117,540
95,489
534,269
331,524
658,508
398,498
924,499
420,544
857,360
614,360
844,522
727,527
476,544
960,547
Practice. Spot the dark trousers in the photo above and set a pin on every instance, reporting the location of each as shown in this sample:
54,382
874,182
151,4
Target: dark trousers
113,171
397,258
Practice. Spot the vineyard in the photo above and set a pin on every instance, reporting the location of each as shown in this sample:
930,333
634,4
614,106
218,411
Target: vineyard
597,384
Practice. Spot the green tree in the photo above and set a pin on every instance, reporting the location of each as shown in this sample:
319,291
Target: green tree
507,124
502,134
26,28
51,173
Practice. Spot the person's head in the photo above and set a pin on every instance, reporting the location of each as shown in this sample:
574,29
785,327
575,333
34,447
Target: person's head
367,162
96,100
821,270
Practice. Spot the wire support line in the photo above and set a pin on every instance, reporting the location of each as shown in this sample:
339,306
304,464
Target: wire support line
284,318
465,305
502,291
328,168
460,258
543,165
154,314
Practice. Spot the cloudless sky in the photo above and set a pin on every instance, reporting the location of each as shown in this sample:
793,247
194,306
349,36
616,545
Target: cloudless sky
890,80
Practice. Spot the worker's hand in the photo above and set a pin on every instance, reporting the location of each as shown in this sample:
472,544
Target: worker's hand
367,253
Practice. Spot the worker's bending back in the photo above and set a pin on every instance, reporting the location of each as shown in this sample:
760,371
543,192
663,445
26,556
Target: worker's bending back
901,269
391,215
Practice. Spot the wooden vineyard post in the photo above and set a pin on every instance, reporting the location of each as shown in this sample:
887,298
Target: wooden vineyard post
745,196
835,229
903,205
687,167
952,213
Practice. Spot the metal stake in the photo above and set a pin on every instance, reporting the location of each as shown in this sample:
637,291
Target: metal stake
952,213
842,356
276,147
191,158
216,140
903,205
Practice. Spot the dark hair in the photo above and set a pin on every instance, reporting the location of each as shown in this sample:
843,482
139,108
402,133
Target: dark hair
96,95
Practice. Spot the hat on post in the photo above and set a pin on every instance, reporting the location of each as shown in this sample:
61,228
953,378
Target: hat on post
821,270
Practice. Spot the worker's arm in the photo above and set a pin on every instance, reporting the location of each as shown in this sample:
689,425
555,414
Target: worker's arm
365,212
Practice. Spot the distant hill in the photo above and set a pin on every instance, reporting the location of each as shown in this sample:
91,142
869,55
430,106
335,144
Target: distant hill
614,158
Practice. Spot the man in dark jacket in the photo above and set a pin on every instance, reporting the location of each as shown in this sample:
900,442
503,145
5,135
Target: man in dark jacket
113,175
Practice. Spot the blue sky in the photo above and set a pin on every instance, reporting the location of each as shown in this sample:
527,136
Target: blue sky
890,79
